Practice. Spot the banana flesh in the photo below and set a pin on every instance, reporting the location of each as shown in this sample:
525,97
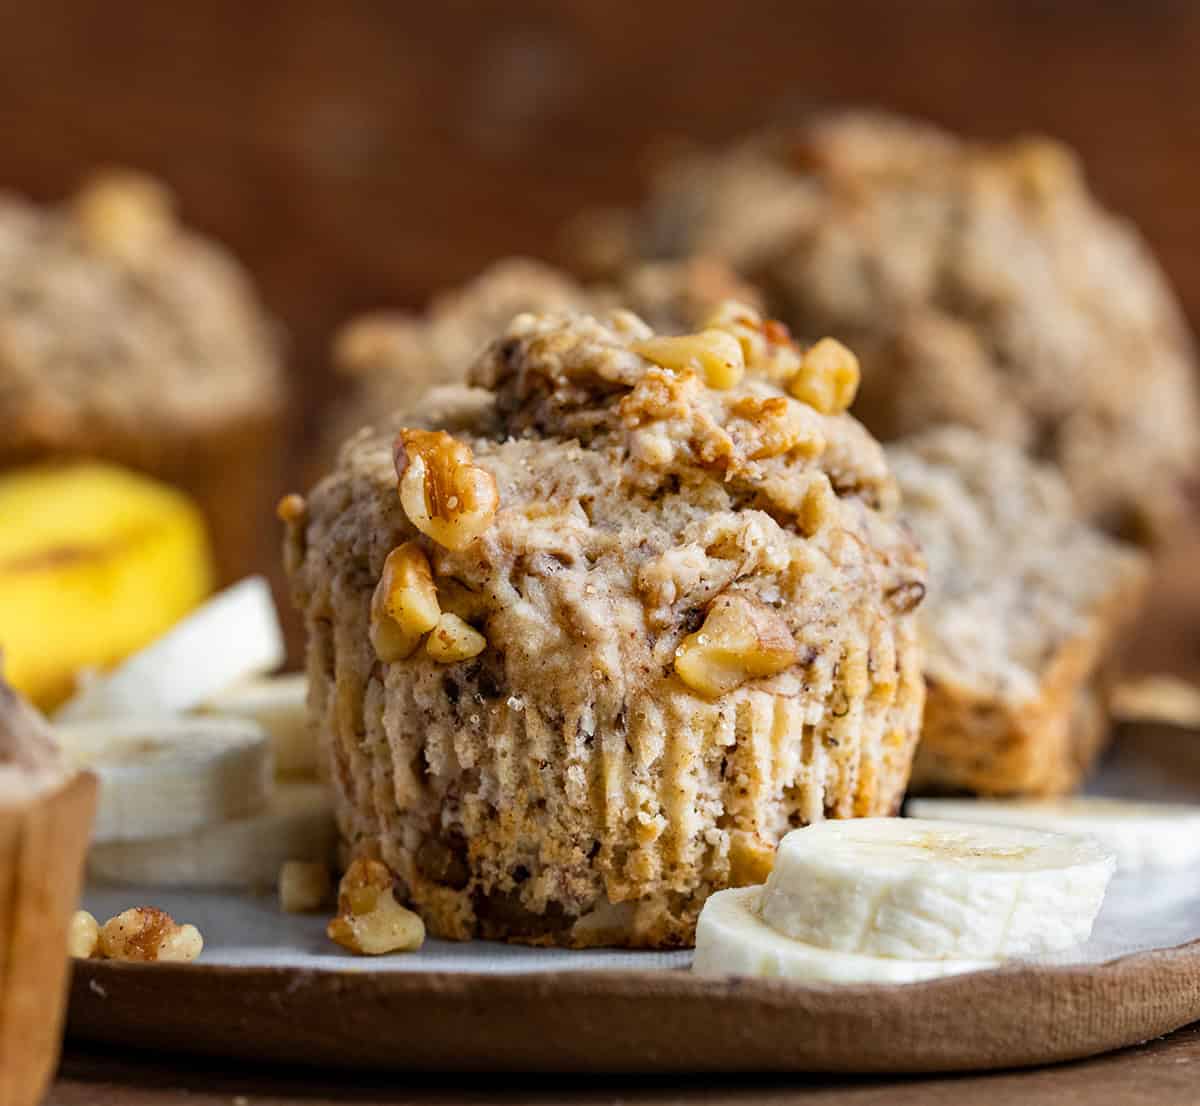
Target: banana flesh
165,776
733,939
1142,835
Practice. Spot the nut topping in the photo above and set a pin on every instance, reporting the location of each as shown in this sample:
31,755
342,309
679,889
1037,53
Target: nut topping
741,639
405,604
445,495
454,640
124,215
828,377
715,353
370,922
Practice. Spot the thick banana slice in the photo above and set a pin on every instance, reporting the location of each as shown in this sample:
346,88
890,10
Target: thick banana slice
1141,835
233,636
279,705
910,889
733,939
94,563
297,825
164,776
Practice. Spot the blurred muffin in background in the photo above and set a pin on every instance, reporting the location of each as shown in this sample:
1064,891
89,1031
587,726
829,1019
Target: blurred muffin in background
126,338
394,357
980,284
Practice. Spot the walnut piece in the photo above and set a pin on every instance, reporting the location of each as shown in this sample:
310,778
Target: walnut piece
766,343
741,640
405,604
125,216
83,935
454,640
444,493
304,886
370,922
716,354
147,933
828,377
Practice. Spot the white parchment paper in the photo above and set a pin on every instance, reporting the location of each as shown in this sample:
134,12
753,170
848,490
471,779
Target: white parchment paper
1141,912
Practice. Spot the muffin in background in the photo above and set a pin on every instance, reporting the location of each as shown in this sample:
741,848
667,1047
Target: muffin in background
393,357
979,283
125,337
631,611
1026,605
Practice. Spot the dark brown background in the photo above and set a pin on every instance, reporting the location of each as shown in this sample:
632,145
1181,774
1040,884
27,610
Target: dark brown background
360,154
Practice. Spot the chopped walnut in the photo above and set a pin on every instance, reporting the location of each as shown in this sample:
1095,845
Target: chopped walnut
83,935
715,353
147,933
370,921
828,377
444,493
124,215
766,344
741,639
304,886
454,640
405,604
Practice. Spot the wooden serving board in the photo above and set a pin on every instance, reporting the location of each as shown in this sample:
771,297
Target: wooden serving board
387,1014
636,1022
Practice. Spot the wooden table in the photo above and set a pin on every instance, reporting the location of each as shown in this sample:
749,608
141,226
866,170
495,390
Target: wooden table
1162,1073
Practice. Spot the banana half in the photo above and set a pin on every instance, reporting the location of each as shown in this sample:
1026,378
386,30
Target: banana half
1141,835
94,563
930,890
733,939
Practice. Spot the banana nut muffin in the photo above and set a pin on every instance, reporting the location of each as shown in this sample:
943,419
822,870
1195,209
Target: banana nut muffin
979,283
1025,602
671,615
127,338
394,357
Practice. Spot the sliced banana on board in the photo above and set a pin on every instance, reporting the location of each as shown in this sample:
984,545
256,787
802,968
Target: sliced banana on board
930,890
248,853
279,705
733,939
1141,835
233,636
165,776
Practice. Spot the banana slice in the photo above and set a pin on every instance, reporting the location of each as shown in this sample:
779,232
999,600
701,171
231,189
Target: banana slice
94,563
733,939
279,705
164,776
910,889
249,853
1141,835
234,635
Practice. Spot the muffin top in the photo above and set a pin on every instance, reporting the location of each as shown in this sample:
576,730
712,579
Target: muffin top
660,514
1015,573
117,324
979,283
394,357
